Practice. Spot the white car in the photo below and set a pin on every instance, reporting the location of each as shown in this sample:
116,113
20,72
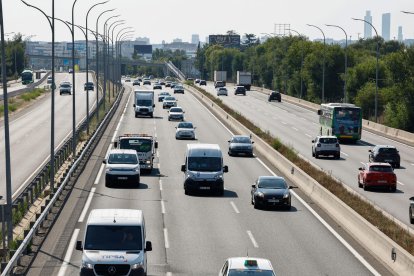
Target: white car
247,266
222,91
169,102
326,145
185,130
176,113
122,165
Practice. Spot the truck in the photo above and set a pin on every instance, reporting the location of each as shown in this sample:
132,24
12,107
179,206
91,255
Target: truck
220,78
244,79
145,145
144,103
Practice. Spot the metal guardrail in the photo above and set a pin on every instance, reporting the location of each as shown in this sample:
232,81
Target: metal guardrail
26,241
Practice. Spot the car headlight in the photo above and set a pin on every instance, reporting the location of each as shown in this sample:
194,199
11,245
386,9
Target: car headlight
260,194
148,162
137,265
108,169
137,169
218,176
87,265
286,195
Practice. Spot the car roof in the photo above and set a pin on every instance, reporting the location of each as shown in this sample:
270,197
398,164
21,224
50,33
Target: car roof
240,136
239,263
265,177
115,216
174,107
210,150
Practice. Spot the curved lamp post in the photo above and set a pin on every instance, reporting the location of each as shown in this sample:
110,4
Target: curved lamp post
376,68
346,59
323,62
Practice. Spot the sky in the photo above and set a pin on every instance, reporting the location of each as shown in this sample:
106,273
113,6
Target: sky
169,19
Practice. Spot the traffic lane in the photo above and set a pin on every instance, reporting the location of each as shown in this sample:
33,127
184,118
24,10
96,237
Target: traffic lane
57,244
30,133
243,172
345,169
145,197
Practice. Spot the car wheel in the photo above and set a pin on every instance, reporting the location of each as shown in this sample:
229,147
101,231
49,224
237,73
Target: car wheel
393,189
359,183
338,156
364,186
220,192
107,183
251,200
313,154
255,205
411,216
186,192
397,165
316,155
279,101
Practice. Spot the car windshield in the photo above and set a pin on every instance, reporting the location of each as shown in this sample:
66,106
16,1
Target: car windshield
387,150
109,237
178,86
223,89
250,272
328,140
272,183
169,99
377,168
65,85
164,94
241,140
185,125
204,164
140,145
122,158
175,109
144,102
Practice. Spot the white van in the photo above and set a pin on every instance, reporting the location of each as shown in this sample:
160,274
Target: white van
114,243
203,168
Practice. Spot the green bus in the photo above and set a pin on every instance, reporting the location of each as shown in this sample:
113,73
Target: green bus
341,120
27,76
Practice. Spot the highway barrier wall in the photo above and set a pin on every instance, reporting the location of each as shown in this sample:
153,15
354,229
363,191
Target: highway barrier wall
376,242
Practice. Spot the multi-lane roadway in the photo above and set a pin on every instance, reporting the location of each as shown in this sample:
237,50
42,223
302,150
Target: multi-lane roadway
30,132
193,235
296,126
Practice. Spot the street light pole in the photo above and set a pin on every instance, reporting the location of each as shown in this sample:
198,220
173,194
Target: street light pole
110,57
118,38
376,69
301,64
346,59
73,85
323,65
121,22
87,66
97,62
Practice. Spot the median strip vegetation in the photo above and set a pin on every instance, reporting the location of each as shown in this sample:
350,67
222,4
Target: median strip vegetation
365,209
23,100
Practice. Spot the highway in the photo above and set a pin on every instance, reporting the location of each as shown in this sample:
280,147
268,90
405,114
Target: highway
193,235
30,132
296,126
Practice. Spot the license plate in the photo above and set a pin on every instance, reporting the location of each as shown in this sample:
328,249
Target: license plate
382,181
273,200
122,177
204,188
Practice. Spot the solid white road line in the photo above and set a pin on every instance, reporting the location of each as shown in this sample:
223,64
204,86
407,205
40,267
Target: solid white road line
98,177
294,128
68,255
308,135
160,185
400,183
249,233
162,207
167,243
234,207
87,204
344,153
362,163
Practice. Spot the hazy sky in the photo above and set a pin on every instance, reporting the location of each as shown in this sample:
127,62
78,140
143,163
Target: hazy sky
168,19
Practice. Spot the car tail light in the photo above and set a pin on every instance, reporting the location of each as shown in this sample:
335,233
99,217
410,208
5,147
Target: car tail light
318,145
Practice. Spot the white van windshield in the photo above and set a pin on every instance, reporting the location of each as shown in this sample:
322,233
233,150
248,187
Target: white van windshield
204,164
109,237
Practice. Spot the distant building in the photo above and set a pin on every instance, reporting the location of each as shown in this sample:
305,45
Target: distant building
386,26
400,34
177,40
225,40
142,41
195,39
367,27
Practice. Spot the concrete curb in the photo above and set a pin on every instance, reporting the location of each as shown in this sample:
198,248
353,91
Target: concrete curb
360,229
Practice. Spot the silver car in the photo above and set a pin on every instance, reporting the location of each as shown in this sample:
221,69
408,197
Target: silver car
176,113
326,146
168,102
185,130
222,91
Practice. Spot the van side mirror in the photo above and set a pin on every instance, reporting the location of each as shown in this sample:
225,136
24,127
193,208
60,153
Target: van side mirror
412,198
148,246
104,161
153,105
156,145
115,144
79,246
313,141
252,142
183,168
225,169
254,186
319,112
369,150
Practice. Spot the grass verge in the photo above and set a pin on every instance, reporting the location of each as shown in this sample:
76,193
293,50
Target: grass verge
366,210
23,100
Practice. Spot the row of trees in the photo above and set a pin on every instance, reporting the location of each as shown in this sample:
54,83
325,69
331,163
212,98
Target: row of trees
284,63
15,56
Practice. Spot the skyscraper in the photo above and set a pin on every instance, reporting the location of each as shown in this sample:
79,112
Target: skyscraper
386,26
195,39
367,27
400,34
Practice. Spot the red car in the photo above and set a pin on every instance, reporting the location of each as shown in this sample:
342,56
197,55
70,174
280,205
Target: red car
377,175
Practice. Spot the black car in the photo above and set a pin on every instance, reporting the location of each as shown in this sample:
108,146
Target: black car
275,96
271,191
240,90
411,210
202,82
386,154
240,144
157,86
88,86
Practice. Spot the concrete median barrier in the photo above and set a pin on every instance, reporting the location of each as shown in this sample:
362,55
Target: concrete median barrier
377,243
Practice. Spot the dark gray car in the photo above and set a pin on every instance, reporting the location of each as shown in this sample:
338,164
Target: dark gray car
240,144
